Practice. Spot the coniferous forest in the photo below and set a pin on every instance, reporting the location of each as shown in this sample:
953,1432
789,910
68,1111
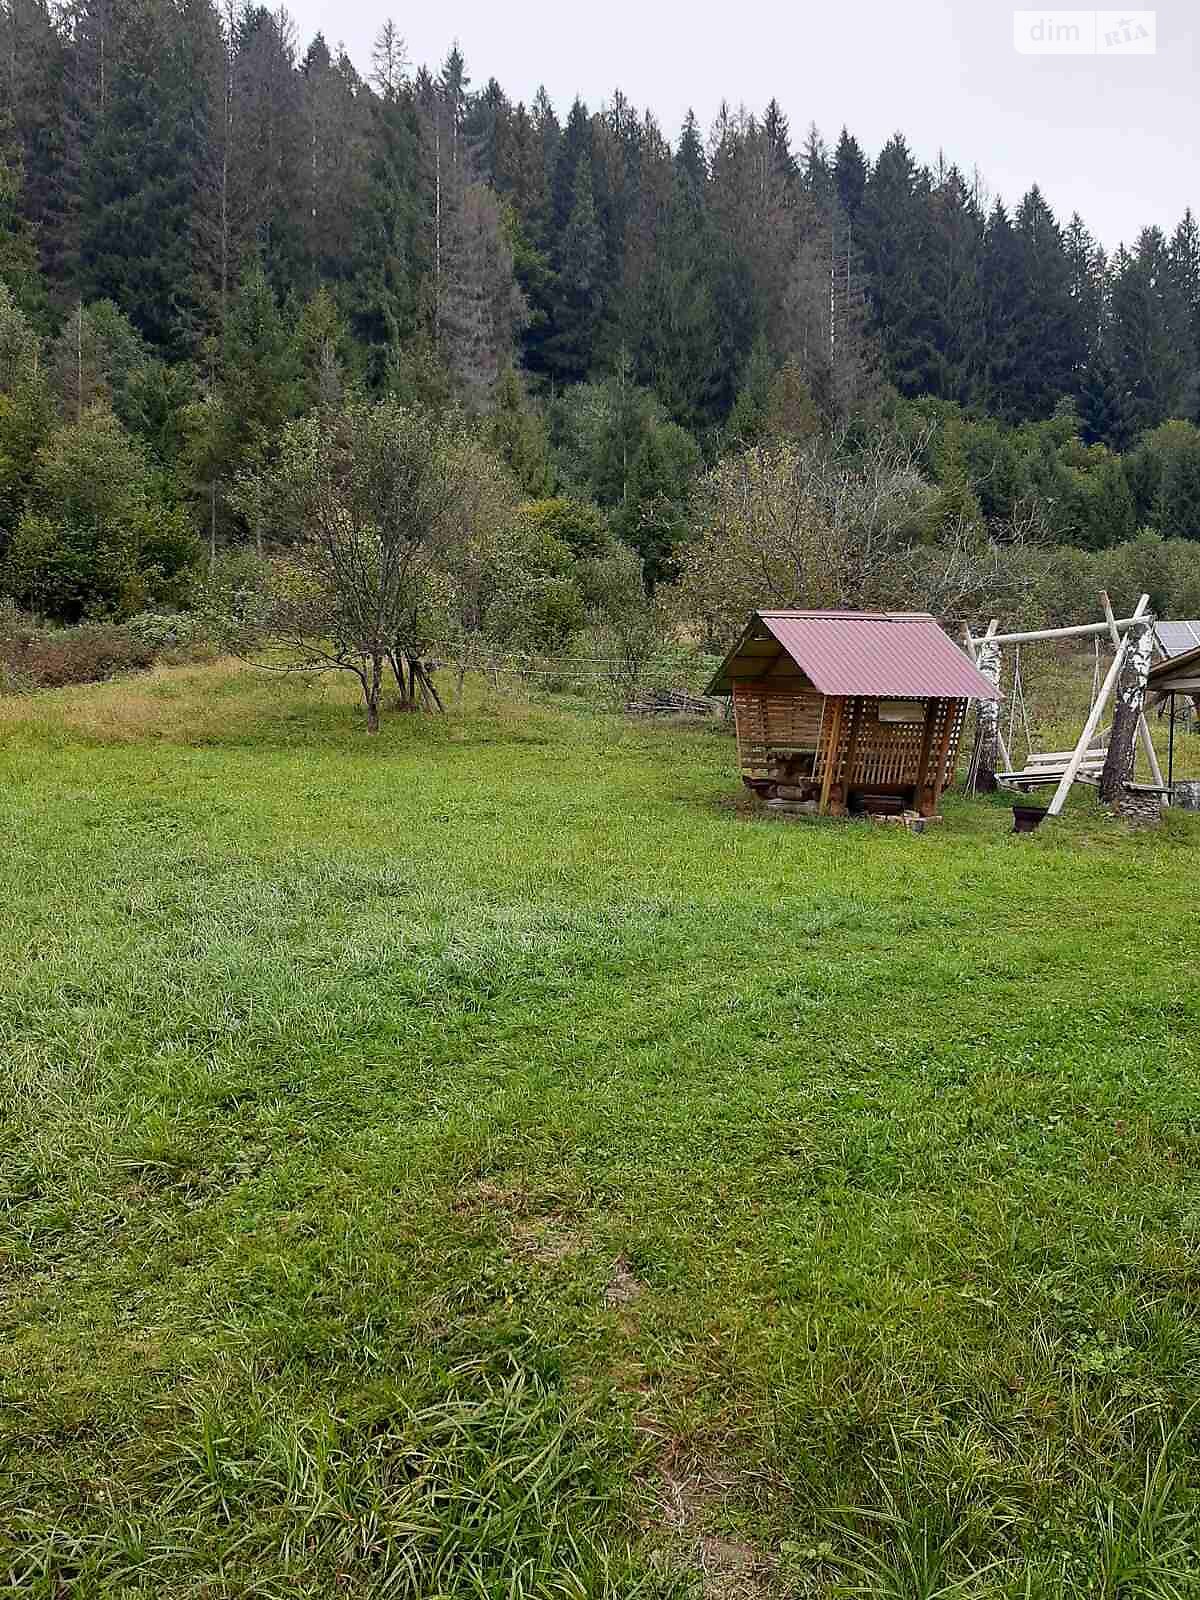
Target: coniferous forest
209,227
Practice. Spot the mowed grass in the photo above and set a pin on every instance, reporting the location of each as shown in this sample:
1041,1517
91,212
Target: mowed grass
491,1161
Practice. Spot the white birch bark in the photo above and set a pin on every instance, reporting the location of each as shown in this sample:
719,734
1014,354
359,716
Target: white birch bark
987,723
1127,714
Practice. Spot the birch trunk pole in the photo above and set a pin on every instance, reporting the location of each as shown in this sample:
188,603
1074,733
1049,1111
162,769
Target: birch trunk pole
1144,733
981,778
1127,715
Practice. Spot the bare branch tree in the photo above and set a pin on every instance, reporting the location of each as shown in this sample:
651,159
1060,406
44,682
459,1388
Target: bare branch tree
363,494
813,525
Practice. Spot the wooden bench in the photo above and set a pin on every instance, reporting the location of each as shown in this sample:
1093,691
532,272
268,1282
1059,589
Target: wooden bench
1048,767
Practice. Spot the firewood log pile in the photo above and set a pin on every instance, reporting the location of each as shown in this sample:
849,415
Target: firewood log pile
672,703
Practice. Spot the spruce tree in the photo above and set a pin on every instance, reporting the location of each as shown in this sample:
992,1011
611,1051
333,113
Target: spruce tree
518,435
1086,264
1177,503
1184,271
26,411
95,358
690,164
389,258
324,354
956,243
260,384
653,518
747,420
337,127
488,120
266,160
1002,288
816,168
753,208
34,131
482,307
548,134
1148,336
620,145
18,252
573,147
674,321
520,173
849,174
1048,342
777,140
579,300
894,228
1103,413
149,119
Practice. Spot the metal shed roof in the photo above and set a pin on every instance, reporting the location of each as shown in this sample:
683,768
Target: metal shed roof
901,655
1176,673
1176,638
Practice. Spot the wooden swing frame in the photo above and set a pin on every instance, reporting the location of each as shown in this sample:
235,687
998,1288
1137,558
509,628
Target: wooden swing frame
1064,768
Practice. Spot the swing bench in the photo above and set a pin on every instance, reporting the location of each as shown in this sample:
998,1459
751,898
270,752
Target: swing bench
1046,767
1131,639
1050,766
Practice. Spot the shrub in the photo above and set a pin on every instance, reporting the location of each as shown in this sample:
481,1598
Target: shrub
84,655
1168,570
51,658
97,539
163,630
574,524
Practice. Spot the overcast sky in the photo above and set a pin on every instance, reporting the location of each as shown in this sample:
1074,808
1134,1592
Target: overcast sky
1114,137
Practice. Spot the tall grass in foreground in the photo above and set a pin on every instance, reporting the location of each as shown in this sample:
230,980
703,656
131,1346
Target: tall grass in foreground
491,1488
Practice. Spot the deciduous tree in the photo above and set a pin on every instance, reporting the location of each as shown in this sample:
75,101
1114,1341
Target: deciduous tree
364,493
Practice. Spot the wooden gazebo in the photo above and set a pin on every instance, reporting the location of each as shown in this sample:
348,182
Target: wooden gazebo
849,710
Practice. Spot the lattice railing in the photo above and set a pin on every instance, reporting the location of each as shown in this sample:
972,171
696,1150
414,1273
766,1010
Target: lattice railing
773,721
889,753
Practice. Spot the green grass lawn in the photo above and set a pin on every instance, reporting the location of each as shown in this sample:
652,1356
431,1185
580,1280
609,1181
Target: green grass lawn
491,1161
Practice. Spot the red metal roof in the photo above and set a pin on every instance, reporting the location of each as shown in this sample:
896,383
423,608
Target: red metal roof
901,655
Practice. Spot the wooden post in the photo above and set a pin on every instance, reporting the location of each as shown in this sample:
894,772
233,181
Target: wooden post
1086,631
835,736
1143,726
939,773
1127,713
919,801
981,775
856,722
1093,721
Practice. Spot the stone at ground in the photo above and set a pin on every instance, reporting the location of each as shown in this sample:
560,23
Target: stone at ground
1140,808
799,808
912,820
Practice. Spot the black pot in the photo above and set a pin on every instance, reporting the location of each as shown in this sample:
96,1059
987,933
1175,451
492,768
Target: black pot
1027,818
